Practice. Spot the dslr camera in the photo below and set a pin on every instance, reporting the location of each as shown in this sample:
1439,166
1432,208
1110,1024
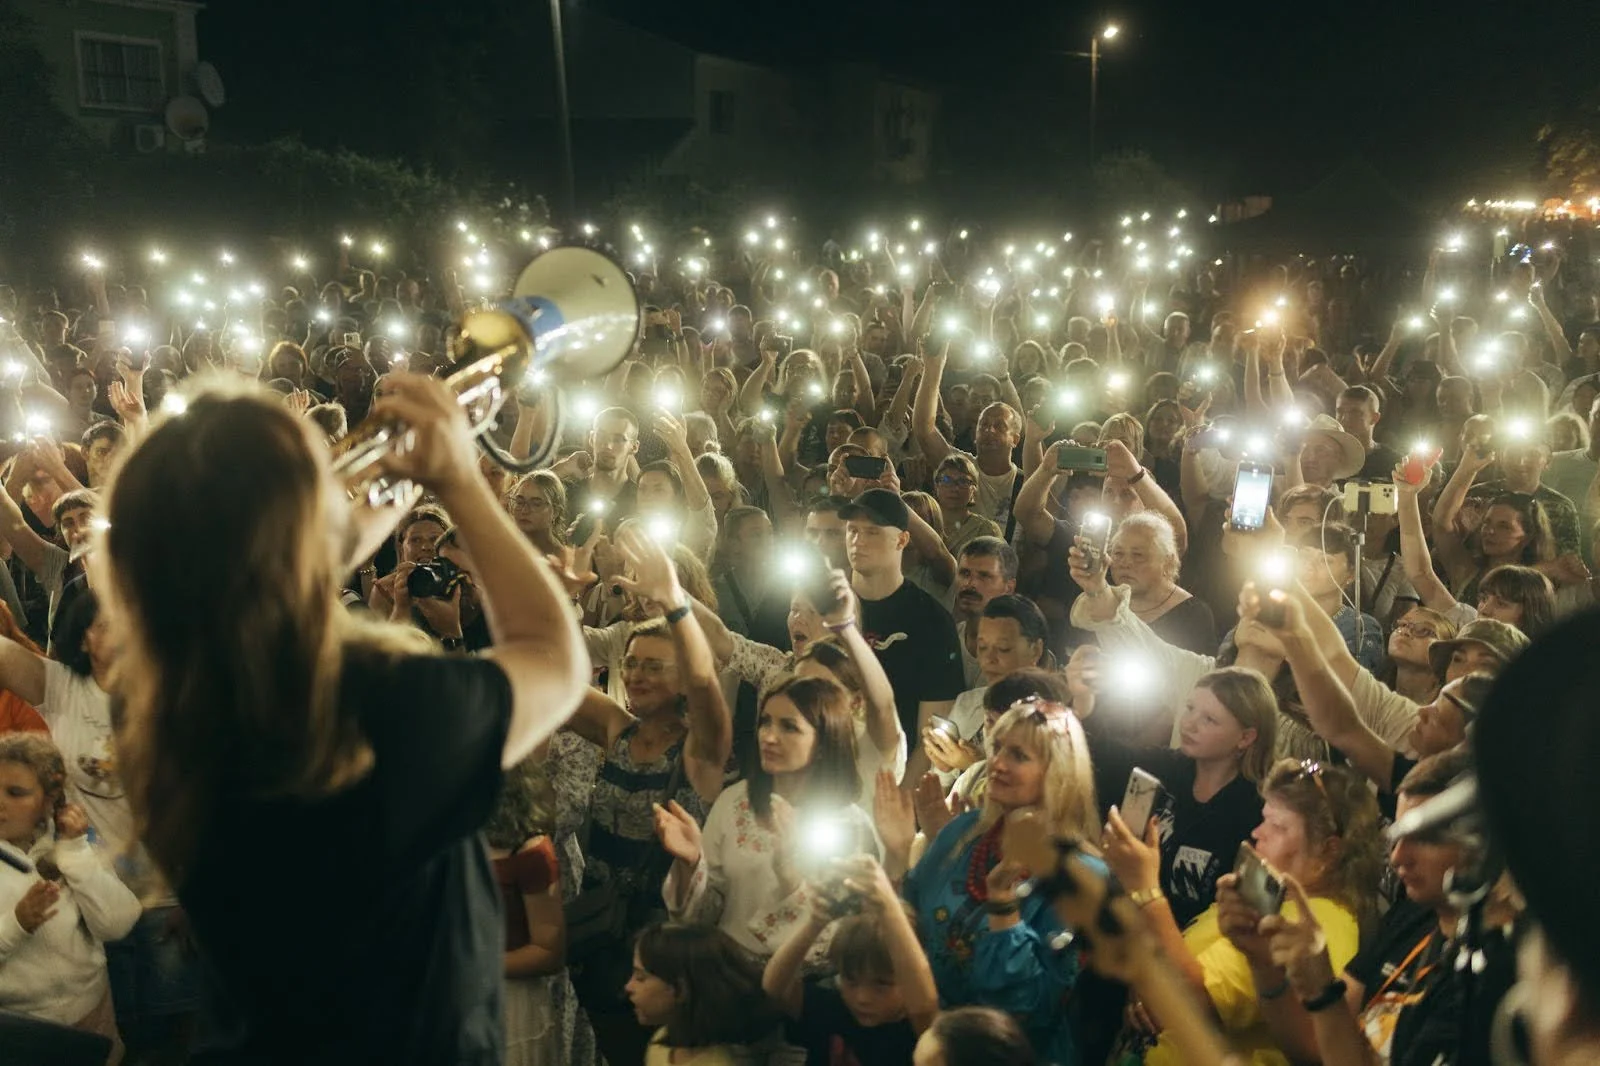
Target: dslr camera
434,581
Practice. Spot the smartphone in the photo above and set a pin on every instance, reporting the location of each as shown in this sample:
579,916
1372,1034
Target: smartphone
1258,884
1483,447
943,725
1139,800
1094,539
814,579
139,360
781,343
1252,491
1092,460
352,340
865,467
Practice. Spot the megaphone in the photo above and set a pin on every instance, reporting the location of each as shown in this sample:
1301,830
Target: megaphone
572,317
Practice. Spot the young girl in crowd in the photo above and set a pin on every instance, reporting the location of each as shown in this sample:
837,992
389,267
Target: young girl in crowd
1227,734
700,995
59,898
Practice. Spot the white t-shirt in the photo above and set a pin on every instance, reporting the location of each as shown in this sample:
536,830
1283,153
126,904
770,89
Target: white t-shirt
994,495
78,713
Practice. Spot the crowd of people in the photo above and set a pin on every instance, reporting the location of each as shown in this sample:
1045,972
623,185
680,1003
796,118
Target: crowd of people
860,556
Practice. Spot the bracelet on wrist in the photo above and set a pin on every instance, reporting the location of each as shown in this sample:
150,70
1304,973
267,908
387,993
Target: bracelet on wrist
1001,908
1326,998
677,614
1146,896
839,626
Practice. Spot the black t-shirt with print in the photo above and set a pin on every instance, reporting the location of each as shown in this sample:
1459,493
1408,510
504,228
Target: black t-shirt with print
1403,927
1452,1021
1199,841
916,642
366,926
831,1035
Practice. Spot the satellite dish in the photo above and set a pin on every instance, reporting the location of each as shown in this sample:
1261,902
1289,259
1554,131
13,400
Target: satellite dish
187,118
209,82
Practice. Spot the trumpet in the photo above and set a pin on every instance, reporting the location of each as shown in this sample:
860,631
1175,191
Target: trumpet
573,316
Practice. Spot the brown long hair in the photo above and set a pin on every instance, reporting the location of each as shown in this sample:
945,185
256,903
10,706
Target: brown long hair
231,644
831,777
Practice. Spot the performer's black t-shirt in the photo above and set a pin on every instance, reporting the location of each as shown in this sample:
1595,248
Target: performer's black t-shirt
366,927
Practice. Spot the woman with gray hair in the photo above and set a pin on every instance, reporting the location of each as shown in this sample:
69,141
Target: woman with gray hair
1144,555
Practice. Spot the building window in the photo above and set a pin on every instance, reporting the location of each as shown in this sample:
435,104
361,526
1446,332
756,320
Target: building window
120,73
721,112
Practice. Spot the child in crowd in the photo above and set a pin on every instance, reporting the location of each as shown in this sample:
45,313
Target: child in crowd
884,997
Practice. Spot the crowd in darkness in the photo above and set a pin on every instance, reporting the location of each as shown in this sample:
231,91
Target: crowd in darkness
875,546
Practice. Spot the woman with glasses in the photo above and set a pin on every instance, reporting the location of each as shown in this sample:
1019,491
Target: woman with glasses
955,486
1407,667
989,946
669,745
1319,824
537,503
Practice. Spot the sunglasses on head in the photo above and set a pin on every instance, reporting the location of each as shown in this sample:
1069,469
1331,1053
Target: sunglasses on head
1313,769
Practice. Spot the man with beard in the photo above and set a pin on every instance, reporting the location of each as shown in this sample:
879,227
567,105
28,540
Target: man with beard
613,442
987,568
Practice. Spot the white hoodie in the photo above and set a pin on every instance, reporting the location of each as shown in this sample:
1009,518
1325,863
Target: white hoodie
58,972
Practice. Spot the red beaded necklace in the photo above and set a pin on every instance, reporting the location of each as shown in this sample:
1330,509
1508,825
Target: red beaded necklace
985,857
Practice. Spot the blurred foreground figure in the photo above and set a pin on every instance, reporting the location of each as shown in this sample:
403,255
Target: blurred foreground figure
311,785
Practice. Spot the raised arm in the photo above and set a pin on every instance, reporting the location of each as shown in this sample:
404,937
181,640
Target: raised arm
755,385
1032,504
1328,703
31,548
710,739
1552,325
536,640
1414,553
1120,462
923,427
1447,507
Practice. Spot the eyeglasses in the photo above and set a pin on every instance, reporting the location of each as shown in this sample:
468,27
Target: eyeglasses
647,667
951,481
1417,629
1313,769
529,503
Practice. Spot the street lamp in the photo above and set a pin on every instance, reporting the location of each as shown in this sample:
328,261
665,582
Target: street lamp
1107,34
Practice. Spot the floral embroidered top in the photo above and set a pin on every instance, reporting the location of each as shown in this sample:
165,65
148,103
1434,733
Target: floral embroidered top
735,887
1018,970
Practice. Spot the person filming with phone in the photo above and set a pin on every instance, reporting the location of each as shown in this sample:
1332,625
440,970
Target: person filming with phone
268,735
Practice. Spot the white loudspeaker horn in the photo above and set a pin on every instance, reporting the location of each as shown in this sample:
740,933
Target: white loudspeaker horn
572,316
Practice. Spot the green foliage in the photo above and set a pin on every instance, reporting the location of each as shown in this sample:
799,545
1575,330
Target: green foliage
1125,178
1571,149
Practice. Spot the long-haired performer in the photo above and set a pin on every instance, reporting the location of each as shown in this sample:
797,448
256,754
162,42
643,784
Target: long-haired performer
313,786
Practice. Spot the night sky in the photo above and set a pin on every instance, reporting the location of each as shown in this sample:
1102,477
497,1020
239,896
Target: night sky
1234,98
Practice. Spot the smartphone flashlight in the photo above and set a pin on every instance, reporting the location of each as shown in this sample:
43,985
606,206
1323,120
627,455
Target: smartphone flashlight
815,389
585,405
1106,303
598,506
662,530
1275,567
1129,675
668,399
1066,399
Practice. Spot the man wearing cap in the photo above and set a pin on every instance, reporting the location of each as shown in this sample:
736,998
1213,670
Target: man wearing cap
911,631
1328,454
1358,412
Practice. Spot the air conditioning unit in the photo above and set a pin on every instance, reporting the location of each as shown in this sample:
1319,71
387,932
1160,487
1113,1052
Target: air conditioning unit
149,138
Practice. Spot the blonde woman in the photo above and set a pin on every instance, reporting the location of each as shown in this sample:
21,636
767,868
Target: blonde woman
987,946
537,503
1228,731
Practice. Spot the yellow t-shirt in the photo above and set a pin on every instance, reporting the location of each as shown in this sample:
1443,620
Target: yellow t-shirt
1233,990
658,1054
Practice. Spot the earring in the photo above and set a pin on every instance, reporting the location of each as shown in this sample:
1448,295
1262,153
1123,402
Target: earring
1508,1033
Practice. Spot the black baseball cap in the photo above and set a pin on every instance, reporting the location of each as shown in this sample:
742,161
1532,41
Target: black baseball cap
881,507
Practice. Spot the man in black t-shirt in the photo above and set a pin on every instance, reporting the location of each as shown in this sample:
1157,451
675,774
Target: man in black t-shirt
910,630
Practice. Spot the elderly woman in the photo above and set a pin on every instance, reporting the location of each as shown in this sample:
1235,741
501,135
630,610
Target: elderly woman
1144,556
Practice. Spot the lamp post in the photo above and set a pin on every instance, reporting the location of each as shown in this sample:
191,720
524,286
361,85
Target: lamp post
563,112
1107,34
